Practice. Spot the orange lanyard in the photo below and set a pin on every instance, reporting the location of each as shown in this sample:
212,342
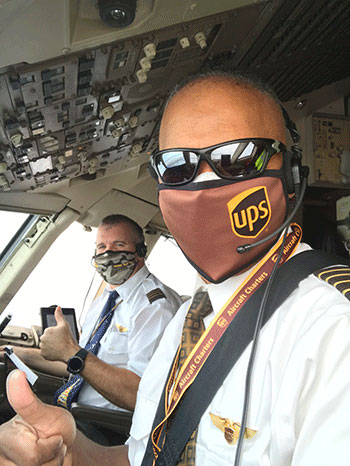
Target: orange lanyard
177,384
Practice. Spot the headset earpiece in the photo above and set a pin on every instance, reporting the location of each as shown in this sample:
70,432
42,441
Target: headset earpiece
287,171
141,249
293,171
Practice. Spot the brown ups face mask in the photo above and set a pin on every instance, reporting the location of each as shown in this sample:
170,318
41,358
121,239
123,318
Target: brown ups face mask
210,219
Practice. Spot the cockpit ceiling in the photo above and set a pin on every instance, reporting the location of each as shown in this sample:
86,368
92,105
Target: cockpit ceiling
95,112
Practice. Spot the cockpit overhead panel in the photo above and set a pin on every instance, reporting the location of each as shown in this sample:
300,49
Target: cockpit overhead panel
96,111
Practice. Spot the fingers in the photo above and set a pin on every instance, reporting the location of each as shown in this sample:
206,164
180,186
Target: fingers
51,451
46,452
20,445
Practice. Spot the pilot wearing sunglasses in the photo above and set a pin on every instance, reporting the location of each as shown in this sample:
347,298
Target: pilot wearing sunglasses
222,182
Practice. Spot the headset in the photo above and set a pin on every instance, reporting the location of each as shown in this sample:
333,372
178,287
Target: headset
141,249
294,172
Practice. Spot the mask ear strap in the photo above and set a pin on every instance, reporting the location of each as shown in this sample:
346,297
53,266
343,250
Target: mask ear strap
93,261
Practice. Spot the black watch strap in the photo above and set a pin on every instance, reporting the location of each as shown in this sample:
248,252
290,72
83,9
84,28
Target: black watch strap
76,363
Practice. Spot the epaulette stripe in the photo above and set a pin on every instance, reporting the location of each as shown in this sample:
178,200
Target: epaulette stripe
155,294
339,277
339,282
331,273
322,272
333,279
342,287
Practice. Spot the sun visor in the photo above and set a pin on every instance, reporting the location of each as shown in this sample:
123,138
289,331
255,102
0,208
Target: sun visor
32,203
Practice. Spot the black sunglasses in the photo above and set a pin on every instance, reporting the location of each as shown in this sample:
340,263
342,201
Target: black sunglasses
237,159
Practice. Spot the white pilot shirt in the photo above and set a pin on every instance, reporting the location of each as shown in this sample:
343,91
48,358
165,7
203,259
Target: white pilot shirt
300,396
135,330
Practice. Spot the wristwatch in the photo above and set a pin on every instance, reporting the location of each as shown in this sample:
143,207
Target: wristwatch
76,363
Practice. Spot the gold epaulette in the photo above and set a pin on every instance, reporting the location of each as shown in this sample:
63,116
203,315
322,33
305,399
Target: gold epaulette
338,276
155,294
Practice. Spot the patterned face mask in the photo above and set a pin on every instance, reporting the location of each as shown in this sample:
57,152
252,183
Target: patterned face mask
115,266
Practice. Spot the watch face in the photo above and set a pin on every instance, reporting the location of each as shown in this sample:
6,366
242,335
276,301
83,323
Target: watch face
75,364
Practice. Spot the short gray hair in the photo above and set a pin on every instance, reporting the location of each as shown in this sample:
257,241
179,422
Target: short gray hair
117,219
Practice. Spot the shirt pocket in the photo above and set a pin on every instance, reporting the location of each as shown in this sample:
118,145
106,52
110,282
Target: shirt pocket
114,346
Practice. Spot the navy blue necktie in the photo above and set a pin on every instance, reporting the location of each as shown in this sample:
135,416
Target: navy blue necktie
69,392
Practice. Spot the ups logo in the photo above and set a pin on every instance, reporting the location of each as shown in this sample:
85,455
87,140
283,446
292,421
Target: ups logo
250,212
222,322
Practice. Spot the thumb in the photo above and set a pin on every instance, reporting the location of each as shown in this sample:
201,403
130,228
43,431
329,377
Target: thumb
60,320
47,420
22,399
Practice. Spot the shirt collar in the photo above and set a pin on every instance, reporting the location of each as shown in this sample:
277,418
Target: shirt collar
220,293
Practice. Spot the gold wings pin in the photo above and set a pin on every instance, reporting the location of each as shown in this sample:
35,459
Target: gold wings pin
121,328
230,429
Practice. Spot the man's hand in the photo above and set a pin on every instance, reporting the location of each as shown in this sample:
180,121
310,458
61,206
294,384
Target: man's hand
40,435
57,343
18,350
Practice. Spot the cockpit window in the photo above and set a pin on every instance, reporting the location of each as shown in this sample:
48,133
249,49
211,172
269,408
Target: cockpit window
13,227
62,277
167,262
